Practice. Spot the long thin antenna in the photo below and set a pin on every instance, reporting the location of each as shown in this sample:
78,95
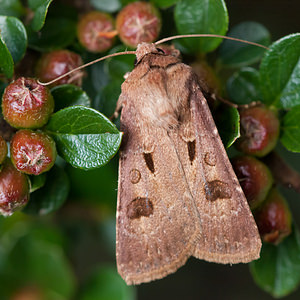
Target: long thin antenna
86,65
156,43
207,35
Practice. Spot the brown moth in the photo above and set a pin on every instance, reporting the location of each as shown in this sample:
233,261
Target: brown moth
178,195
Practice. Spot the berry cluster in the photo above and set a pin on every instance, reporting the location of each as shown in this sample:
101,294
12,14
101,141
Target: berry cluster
28,105
135,23
259,135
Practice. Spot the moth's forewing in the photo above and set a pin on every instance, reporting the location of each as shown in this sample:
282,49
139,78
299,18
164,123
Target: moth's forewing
229,233
178,195
157,220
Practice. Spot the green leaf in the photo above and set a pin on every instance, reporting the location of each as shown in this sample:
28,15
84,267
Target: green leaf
57,33
84,137
201,16
36,182
6,60
12,8
228,124
278,269
164,3
280,72
107,98
106,5
52,195
107,284
69,95
40,9
290,137
14,36
237,54
118,66
243,86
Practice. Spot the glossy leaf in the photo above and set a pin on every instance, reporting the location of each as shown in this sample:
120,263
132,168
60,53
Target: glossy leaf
57,33
52,195
68,95
118,66
106,5
107,284
107,98
36,182
237,54
195,16
84,137
40,9
280,73
278,269
12,8
290,137
14,36
6,60
228,124
243,86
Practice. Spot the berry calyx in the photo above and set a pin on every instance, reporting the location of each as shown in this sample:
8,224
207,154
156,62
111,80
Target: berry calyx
95,31
14,189
255,179
259,131
27,104
273,218
138,22
3,149
32,152
56,63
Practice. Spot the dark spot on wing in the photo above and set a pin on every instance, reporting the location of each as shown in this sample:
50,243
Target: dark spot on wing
210,159
135,176
139,207
149,161
217,189
191,150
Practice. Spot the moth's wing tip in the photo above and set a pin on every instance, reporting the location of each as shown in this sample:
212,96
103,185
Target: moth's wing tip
136,279
155,274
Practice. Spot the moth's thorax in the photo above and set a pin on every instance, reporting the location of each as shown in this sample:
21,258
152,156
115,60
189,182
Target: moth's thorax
157,90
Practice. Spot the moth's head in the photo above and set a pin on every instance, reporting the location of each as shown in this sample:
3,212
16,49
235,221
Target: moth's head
145,48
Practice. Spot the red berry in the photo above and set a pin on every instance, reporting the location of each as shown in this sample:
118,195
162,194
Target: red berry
138,22
3,149
56,63
273,218
255,179
96,32
259,131
27,104
14,189
32,152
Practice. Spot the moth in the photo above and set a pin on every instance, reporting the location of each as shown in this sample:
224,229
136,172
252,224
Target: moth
178,195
